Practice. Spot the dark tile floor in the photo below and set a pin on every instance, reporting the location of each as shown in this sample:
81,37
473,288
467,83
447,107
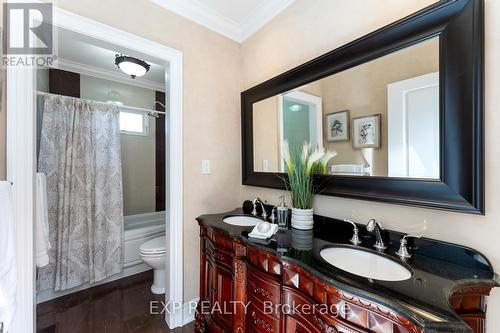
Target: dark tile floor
121,306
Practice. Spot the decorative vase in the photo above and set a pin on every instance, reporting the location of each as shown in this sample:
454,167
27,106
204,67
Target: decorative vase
302,218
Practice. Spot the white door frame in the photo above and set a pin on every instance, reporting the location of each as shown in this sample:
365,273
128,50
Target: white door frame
398,123
21,165
317,125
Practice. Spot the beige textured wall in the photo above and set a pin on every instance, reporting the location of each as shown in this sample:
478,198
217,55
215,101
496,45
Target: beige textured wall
211,115
294,37
363,91
266,134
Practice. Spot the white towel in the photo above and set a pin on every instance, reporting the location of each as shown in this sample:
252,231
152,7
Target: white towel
7,257
42,243
263,230
352,169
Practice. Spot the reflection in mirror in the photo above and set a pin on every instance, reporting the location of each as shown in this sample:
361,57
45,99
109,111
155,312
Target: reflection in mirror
382,117
295,117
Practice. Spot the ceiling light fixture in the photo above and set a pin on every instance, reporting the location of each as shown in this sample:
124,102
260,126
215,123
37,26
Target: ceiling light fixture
295,108
131,66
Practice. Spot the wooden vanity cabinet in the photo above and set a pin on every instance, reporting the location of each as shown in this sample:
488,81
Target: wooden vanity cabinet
469,303
222,282
244,289
263,291
336,311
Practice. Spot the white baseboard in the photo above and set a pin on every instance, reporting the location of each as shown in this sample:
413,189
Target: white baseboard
188,311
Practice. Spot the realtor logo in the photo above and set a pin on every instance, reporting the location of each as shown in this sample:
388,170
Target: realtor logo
28,28
28,35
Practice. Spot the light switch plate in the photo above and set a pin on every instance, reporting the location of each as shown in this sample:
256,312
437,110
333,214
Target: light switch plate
205,167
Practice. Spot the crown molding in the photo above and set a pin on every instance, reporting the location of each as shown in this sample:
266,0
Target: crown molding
105,74
261,16
203,15
197,12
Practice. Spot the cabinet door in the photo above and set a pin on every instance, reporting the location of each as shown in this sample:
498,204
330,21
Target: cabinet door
259,322
207,277
223,296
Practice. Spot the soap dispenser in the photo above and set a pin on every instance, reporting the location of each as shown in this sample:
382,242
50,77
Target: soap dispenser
282,213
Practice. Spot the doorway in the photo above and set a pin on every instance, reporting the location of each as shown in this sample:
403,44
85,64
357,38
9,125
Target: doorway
297,108
413,127
21,158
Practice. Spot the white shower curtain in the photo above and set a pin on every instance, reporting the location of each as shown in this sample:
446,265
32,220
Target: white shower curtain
80,154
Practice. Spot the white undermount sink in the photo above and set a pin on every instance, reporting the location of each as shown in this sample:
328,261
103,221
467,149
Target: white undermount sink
242,221
366,264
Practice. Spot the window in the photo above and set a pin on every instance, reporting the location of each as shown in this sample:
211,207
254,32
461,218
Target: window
134,123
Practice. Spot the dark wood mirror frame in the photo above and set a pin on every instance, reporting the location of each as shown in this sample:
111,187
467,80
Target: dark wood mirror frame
460,26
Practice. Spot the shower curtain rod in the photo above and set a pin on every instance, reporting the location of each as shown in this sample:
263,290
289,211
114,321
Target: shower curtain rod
153,113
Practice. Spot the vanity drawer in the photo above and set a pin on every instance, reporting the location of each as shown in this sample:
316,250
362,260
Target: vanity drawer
263,287
315,316
223,257
208,245
221,239
264,261
257,321
219,254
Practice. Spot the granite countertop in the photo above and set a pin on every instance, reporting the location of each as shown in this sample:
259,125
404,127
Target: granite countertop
438,268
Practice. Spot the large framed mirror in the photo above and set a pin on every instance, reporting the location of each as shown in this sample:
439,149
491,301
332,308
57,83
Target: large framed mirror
402,107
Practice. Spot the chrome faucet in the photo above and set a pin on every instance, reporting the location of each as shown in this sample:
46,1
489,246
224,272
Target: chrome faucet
355,233
273,215
254,212
403,250
377,227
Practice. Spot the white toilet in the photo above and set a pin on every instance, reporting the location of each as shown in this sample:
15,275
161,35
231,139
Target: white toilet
153,252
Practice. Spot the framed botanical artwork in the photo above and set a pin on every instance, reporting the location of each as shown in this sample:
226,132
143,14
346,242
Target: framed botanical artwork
366,132
337,126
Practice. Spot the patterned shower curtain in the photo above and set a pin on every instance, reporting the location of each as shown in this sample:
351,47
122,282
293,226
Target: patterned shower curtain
80,154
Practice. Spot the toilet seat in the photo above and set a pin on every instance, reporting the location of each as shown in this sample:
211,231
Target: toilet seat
155,246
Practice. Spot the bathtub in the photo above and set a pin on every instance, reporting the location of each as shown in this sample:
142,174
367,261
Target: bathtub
138,229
